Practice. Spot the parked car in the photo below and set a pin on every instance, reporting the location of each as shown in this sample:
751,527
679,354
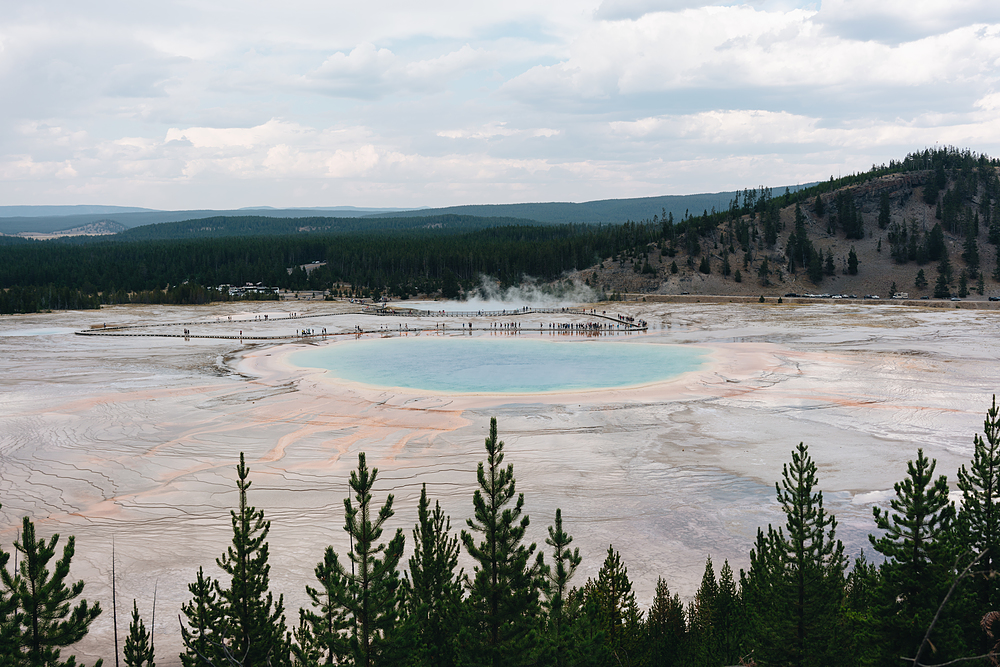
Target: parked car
955,298
995,298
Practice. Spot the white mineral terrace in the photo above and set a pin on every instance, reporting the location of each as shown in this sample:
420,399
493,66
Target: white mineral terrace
135,438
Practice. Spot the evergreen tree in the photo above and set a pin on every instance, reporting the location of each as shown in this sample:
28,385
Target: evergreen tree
915,574
588,646
944,268
9,617
450,288
818,206
764,273
204,636
812,563
703,646
673,267
705,267
666,630
963,284
970,250
324,628
138,643
883,211
936,248
306,649
852,262
433,589
860,614
829,268
372,586
816,268
921,280
941,290
758,597
44,621
726,619
996,269
617,609
564,564
504,592
253,623
979,517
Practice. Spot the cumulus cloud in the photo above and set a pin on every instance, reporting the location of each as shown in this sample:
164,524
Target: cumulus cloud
369,72
741,48
231,104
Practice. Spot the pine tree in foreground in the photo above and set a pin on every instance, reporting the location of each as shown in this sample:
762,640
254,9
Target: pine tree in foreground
794,590
242,622
979,517
138,643
504,593
255,622
45,621
202,636
814,564
728,628
9,619
860,613
373,584
666,629
564,564
322,632
919,557
433,589
702,649
617,610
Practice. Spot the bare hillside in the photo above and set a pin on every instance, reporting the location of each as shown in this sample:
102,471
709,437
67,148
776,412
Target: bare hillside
963,209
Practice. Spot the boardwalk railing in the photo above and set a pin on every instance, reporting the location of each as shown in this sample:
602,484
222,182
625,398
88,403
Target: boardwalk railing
418,312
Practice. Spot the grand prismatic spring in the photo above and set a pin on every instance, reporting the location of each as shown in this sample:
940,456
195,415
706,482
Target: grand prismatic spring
135,438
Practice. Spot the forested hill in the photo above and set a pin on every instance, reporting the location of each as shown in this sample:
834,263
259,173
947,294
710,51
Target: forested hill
257,225
606,210
928,225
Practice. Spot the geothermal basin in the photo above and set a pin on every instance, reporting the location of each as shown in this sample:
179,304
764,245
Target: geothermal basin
499,364
134,439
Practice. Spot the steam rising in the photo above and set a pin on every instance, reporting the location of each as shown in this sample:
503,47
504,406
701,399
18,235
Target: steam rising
489,295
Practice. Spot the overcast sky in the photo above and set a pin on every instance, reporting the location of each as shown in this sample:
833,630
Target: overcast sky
196,103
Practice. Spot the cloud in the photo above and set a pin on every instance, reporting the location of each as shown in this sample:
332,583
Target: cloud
743,130
368,72
898,21
497,129
695,51
226,103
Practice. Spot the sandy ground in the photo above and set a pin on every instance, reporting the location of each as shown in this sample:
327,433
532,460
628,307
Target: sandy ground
135,439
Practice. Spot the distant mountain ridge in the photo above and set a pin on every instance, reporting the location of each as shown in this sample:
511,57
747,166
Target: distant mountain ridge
49,219
77,209
61,219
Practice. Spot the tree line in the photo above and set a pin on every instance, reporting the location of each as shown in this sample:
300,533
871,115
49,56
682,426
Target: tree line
408,256
931,601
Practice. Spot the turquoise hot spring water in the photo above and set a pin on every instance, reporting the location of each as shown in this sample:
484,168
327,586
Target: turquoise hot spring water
451,364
